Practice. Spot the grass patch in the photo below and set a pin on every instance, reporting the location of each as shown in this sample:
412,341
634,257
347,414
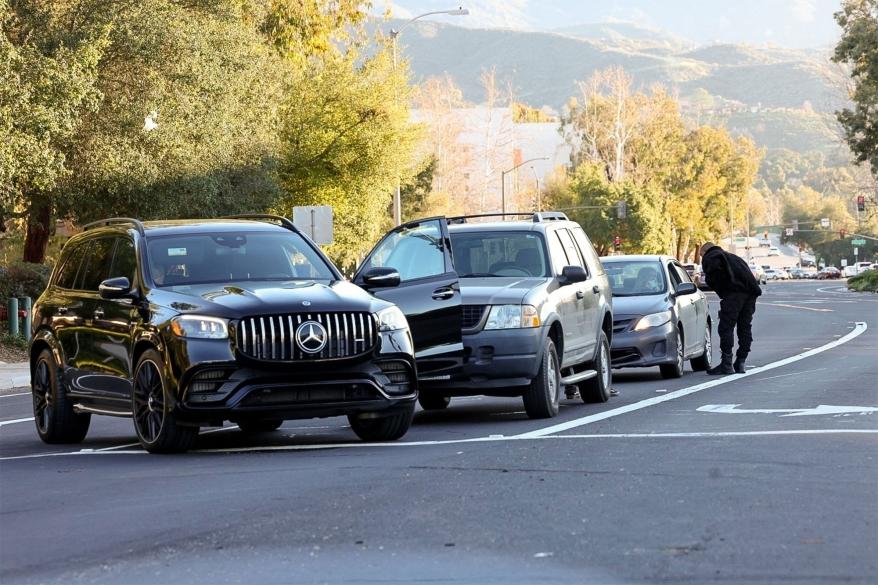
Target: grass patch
864,282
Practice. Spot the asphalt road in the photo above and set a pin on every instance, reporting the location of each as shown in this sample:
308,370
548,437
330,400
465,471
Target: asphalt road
743,479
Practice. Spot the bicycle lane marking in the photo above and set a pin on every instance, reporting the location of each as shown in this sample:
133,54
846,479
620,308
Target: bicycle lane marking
859,328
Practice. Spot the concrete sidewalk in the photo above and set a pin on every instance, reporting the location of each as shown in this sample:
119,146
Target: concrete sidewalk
14,375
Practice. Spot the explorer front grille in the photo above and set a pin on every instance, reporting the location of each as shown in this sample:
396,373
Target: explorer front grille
471,315
273,337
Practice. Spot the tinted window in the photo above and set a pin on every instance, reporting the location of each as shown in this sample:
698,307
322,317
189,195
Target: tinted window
227,257
67,276
96,268
414,251
587,250
573,256
630,278
489,254
124,260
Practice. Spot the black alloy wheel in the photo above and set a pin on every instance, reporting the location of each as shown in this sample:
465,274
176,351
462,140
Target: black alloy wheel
54,417
155,424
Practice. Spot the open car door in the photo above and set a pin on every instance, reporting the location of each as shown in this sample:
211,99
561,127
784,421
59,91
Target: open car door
428,291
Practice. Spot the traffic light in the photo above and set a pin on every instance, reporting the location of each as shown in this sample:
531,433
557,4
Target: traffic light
617,241
861,203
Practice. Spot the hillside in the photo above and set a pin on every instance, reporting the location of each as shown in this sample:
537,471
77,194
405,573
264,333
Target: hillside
771,94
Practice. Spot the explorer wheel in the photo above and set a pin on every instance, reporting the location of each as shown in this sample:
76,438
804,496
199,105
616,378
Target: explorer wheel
674,370
542,396
54,417
597,389
155,424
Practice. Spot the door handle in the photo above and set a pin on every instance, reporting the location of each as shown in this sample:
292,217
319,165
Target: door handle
595,289
99,314
442,294
580,295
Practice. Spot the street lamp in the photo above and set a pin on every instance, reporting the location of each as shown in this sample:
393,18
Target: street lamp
503,180
394,34
539,195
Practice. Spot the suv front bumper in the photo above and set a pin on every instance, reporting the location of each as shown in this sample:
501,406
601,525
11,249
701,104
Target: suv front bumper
496,362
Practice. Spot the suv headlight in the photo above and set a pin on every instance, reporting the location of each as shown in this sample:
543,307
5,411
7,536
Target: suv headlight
391,319
512,317
199,327
653,320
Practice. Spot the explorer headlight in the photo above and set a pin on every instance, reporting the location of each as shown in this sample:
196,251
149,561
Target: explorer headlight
653,320
512,317
391,319
199,327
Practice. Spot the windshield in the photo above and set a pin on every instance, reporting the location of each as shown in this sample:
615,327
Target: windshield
635,277
499,254
233,257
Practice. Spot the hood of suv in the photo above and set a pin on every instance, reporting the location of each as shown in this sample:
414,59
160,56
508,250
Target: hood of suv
255,298
498,291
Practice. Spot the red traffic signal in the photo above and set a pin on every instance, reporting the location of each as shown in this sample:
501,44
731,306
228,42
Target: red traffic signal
861,203
617,241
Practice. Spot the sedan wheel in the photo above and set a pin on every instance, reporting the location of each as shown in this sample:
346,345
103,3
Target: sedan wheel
674,370
702,362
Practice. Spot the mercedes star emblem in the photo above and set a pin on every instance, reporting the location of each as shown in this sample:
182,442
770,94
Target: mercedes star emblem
311,337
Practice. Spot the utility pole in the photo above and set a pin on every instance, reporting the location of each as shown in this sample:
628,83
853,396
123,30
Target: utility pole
503,180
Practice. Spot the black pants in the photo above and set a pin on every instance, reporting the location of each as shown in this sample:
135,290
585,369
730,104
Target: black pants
736,310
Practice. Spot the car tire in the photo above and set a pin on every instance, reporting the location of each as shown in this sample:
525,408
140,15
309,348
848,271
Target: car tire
259,426
384,428
55,419
674,370
702,362
597,389
154,421
542,397
433,401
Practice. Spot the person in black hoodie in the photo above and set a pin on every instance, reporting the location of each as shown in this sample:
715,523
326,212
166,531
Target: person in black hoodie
732,280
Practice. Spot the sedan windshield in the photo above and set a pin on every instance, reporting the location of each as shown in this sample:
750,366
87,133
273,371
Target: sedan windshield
499,254
629,278
225,257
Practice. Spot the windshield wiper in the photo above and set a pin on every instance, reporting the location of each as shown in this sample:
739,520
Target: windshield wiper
479,275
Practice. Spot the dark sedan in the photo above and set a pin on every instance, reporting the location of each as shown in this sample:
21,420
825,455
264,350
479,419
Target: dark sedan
660,318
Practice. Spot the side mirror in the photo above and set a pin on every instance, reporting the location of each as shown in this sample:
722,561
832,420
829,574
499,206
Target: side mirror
115,288
573,274
686,288
381,277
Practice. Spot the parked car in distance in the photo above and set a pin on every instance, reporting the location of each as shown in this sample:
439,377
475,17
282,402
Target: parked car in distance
828,272
776,274
758,273
189,323
536,314
862,266
797,273
660,316
764,243
773,251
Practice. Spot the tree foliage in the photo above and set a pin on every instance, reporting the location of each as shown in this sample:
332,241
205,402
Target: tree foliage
858,48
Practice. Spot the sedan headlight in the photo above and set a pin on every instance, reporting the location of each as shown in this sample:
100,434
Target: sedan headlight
512,317
653,320
199,327
391,319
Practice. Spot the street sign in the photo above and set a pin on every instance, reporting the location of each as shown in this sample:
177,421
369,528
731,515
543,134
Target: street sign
315,221
844,262
856,251
824,222
789,231
858,242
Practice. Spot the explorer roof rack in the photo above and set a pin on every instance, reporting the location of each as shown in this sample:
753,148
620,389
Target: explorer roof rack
138,225
538,217
283,221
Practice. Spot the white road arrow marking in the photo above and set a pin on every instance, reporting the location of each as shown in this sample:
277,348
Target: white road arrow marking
820,409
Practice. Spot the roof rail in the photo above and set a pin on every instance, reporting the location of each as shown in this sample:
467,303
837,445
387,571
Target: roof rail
549,216
138,225
283,221
537,217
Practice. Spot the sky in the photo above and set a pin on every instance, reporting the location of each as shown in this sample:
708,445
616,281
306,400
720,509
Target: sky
785,23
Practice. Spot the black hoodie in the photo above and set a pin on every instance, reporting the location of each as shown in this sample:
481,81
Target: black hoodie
727,273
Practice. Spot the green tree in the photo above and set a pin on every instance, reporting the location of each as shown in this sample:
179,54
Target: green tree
858,48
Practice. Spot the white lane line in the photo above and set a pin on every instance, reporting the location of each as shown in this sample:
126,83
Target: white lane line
491,439
15,421
207,432
796,307
858,330
16,394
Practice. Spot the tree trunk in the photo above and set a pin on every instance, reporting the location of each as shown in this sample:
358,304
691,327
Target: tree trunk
38,230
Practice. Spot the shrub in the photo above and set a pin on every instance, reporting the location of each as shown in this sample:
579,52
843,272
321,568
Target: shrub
23,279
864,282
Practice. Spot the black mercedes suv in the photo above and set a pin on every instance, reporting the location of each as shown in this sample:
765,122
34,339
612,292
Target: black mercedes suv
183,324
